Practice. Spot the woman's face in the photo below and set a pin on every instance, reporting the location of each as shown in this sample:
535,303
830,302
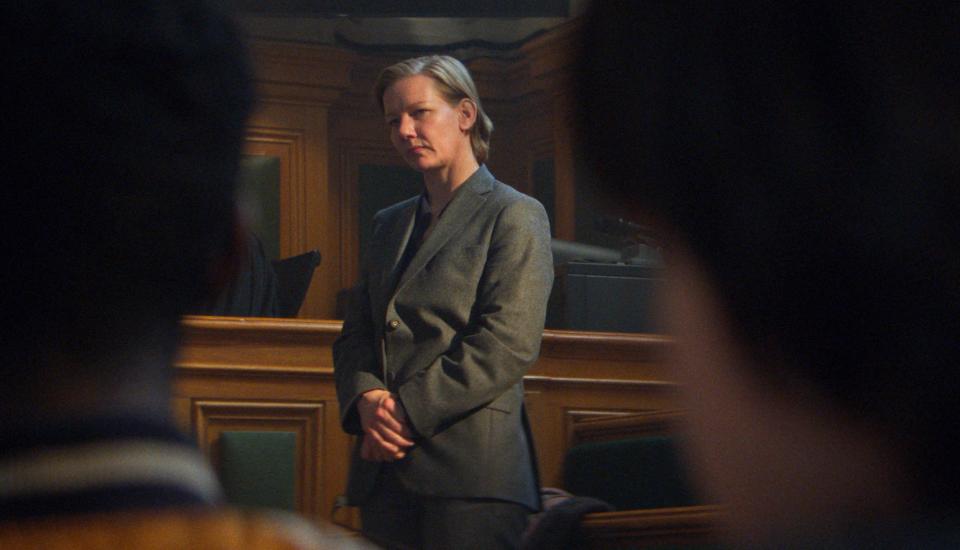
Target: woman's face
428,132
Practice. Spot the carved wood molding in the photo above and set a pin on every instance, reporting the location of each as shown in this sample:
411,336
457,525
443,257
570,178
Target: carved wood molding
289,146
632,528
248,346
299,342
619,426
573,417
602,345
305,420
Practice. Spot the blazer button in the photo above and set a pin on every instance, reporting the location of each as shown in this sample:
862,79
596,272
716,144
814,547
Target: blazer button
393,324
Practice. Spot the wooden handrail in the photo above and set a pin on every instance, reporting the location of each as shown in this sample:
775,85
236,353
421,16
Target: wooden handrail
636,528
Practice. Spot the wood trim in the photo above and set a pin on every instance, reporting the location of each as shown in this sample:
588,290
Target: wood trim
200,323
216,336
551,59
573,417
619,426
554,52
212,417
632,528
601,345
300,73
246,346
296,84
292,359
289,146
308,217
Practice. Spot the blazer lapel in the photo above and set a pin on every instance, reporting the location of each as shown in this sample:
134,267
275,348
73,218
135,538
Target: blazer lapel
398,234
463,206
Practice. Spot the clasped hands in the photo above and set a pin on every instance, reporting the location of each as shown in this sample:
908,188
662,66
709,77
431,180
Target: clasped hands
386,432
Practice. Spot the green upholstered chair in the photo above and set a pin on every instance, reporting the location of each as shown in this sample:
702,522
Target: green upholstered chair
258,469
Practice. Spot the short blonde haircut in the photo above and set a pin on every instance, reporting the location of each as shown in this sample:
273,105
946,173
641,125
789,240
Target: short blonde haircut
453,82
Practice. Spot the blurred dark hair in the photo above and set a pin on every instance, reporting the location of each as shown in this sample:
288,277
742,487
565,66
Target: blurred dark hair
122,121
807,153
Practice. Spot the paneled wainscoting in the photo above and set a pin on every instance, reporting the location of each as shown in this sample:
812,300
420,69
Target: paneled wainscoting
262,376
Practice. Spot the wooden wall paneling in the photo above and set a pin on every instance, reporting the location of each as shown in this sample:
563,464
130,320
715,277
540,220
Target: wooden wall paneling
564,401
539,135
603,356
259,345
358,136
564,181
352,154
581,374
296,134
305,420
551,58
522,114
501,85
293,73
296,84
271,364
289,148
288,363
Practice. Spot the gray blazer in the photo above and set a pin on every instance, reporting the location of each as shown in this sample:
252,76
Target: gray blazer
452,336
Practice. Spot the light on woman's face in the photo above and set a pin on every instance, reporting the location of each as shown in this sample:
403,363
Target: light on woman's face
424,128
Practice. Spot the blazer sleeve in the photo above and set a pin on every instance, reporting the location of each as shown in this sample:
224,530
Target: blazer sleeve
503,337
356,366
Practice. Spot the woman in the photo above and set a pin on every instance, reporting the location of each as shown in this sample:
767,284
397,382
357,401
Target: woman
444,323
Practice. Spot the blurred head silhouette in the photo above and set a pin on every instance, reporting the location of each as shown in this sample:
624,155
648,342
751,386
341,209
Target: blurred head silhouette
123,122
800,160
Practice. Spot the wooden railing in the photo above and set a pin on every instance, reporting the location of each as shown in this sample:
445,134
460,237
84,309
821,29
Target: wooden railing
241,374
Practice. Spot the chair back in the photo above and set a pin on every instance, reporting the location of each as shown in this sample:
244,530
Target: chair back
293,280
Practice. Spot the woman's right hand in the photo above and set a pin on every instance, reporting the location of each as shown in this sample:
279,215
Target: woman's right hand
386,434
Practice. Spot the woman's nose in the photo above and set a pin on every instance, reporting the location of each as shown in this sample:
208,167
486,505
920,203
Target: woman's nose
407,127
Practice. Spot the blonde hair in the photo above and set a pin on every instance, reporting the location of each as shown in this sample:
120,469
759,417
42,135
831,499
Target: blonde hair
454,83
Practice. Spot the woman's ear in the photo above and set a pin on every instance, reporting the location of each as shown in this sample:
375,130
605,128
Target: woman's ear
467,114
